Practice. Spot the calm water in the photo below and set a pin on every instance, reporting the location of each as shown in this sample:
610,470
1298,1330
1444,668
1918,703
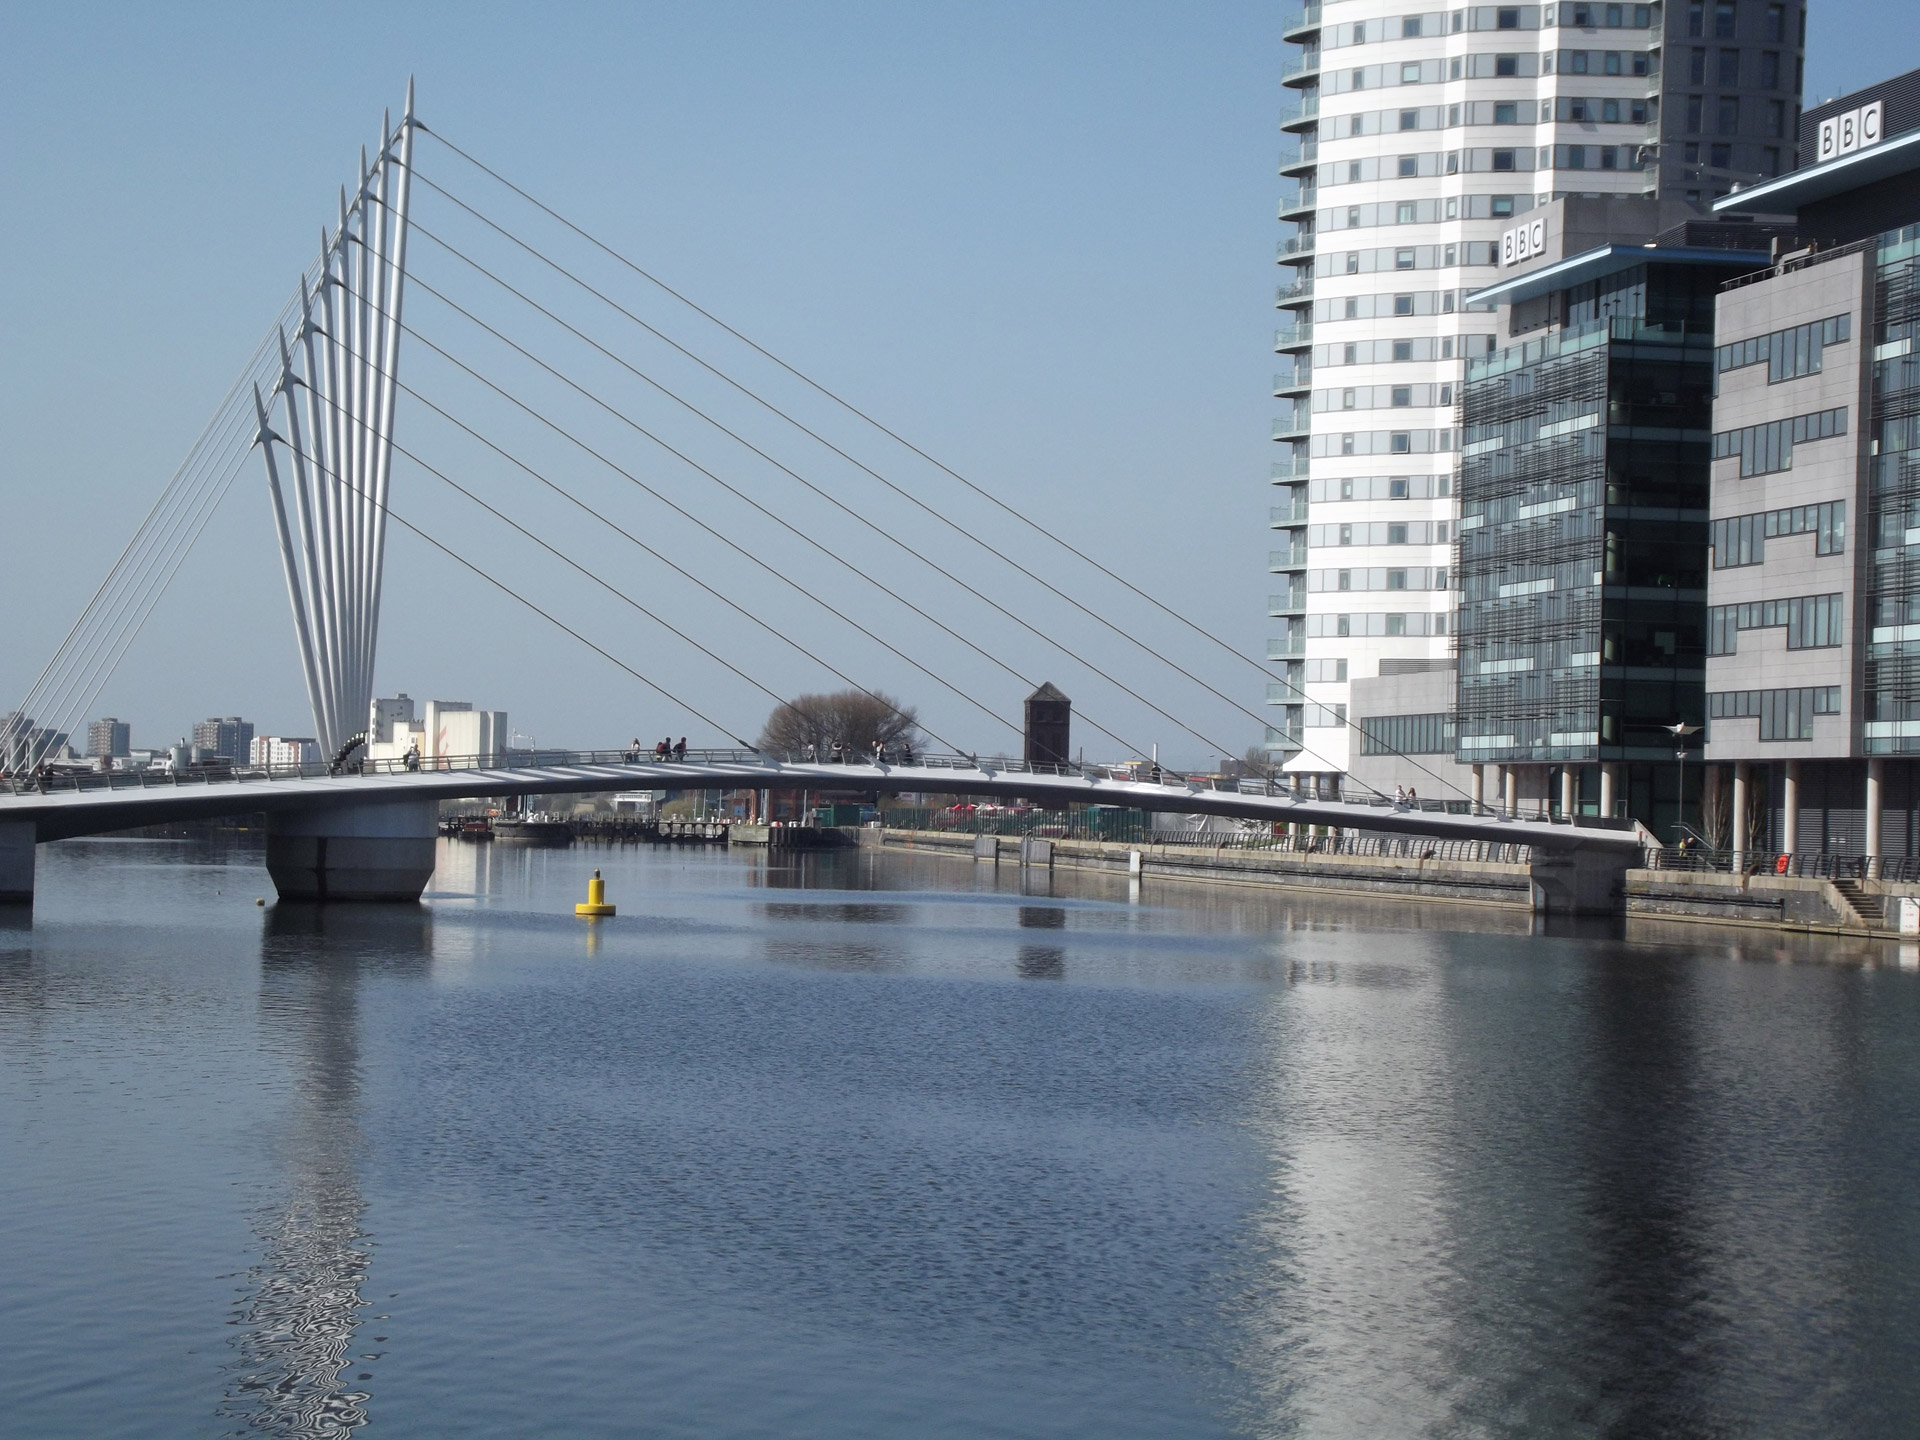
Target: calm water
881,1145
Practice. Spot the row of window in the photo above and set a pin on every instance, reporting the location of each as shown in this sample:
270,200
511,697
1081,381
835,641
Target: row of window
1742,539
1725,13
1727,114
1413,577
1421,257
1384,442
1427,212
1455,162
1571,108
1419,347
1381,397
1380,487
1720,155
1765,449
1783,714
1813,622
1407,734
1381,306
1380,532
1582,14
1325,717
1788,353
1329,627
1727,70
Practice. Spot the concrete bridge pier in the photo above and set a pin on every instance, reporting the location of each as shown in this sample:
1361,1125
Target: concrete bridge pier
368,851
16,863
1582,881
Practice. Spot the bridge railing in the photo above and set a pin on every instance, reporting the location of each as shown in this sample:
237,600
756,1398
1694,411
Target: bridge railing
1806,865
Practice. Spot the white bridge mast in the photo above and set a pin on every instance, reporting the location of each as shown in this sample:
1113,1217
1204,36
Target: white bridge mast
339,435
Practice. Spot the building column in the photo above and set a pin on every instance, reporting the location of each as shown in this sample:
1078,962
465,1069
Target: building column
370,850
1876,811
1510,789
1739,838
1479,789
1790,809
17,840
1607,781
1569,792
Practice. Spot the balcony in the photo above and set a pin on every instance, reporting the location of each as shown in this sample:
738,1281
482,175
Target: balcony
1301,205
1286,647
1300,292
1294,557
1301,24
1291,471
1296,384
1295,426
1297,336
1296,251
1301,69
1292,601
1300,159
1293,513
1306,117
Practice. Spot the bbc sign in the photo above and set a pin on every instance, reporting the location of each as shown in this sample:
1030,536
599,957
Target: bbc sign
1844,134
1523,242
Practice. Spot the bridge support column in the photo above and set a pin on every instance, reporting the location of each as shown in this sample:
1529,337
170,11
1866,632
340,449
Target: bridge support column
1578,881
1607,782
16,864
377,850
1569,792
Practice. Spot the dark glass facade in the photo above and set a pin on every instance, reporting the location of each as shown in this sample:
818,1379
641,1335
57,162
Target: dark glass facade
1584,525
1891,707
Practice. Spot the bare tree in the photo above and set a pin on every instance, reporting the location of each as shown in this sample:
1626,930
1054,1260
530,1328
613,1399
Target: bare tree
854,718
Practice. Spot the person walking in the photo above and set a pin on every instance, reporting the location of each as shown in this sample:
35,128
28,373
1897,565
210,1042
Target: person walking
680,749
879,752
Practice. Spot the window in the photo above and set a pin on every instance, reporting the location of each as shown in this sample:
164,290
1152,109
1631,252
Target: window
1729,71
1697,19
1396,624
1407,734
1353,217
1769,69
1776,22
1637,111
1353,308
1396,535
1610,112
1409,119
1766,449
1410,73
1720,156
1360,79
1353,171
1410,28
1403,259
1356,125
1783,714
1350,355
1353,262
1409,165
1403,350
1788,353
1453,162
1506,114
1348,400
1742,539
1729,115
1403,304
1772,160
1506,18
1404,212
1723,19
1812,622
1697,67
1396,579
1346,444
1401,442
1449,260
1402,395
1360,34
1325,717
1502,206
1346,534
1691,152
1503,159
1506,65
1397,488
1343,580
1694,103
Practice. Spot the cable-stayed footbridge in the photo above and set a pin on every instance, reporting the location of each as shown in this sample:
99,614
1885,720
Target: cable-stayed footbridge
553,386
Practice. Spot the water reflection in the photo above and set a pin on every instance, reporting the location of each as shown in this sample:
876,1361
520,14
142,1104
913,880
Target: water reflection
297,1325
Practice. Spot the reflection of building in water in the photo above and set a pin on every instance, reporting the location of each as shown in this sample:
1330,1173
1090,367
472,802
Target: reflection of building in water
293,1373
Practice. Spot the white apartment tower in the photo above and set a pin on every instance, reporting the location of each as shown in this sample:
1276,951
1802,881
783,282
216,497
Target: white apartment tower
1421,140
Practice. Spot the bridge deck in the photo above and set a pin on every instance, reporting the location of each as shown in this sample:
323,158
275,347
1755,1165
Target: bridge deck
93,804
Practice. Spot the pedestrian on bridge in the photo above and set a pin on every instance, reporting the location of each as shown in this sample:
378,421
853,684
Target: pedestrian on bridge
680,749
879,752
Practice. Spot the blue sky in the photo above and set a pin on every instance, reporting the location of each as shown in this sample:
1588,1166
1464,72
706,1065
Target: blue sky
1038,240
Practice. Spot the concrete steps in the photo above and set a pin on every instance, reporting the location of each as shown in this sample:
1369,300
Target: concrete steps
1872,909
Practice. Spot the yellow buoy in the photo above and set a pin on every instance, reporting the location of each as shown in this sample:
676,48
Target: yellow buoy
596,898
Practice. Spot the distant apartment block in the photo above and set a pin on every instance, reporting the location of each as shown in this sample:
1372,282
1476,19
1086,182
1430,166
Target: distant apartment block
110,739
229,739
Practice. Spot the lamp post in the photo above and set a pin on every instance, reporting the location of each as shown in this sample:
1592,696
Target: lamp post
1680,730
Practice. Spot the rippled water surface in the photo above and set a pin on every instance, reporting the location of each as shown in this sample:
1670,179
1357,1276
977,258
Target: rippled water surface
898,1145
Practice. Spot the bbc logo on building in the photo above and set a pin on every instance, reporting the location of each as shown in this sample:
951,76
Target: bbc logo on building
1523,242
1854,130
